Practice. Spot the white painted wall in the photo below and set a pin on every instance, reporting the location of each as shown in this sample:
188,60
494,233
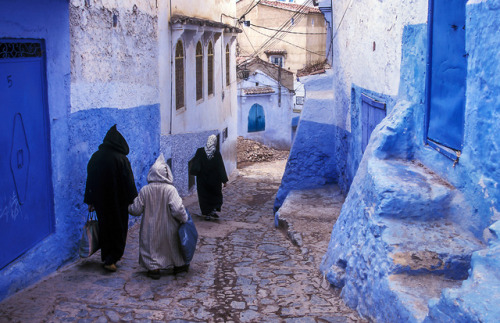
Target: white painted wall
278,130
114,66
356,27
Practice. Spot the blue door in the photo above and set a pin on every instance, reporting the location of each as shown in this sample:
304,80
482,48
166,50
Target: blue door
256,119
25,178
372,112
448,71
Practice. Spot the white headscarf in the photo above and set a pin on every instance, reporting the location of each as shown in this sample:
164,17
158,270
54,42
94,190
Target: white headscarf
160,172
211,146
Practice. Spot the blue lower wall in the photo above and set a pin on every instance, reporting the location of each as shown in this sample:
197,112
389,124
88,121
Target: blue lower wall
181,148
74,140
311,161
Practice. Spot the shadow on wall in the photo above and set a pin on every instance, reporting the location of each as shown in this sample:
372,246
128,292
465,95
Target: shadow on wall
311,161
140,128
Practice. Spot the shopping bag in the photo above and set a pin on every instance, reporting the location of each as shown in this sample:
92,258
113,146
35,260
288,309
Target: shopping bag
89,243
188,237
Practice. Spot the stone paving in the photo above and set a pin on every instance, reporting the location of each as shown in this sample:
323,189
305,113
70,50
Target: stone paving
244,270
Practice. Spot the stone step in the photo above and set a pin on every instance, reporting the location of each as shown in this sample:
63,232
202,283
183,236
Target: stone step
307,217
438,247
407,189
415,292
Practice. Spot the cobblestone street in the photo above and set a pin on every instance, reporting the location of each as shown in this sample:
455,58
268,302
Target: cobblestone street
244,270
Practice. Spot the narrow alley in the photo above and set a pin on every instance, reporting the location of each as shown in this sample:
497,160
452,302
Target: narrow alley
244,270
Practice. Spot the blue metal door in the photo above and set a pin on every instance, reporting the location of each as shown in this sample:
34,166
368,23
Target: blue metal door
256,119
372,112
25,178
448,72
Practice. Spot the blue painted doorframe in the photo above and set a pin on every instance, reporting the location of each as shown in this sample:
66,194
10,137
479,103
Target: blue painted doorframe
372,113
26,199
446,75
256,118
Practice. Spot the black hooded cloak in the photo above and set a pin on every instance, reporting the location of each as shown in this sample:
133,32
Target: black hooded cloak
110,189
210,174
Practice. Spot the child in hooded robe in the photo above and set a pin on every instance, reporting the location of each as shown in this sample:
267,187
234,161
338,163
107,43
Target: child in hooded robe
163,212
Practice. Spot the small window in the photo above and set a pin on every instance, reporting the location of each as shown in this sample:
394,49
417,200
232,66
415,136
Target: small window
228,79
292,21
277,60
312,22
179,75
299,100
199,71
210,68
224,134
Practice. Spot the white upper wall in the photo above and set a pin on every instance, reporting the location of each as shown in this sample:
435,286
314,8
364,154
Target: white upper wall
113,66
367,23
211,10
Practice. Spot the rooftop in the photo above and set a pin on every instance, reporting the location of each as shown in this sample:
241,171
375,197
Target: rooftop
258,90
290,6
185,20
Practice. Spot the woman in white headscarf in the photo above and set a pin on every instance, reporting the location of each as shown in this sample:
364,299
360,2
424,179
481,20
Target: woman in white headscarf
208,167
163,212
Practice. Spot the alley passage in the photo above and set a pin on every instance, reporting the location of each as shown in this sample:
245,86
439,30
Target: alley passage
244,270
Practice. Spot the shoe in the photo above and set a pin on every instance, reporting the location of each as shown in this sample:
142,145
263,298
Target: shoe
181,269
110,267
154,274
207,217
214,215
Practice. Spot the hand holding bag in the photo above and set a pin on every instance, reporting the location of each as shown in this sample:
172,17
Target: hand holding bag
89,243
188,237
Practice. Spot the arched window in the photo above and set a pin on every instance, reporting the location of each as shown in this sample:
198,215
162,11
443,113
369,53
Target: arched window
199,71
179,75
228,80
256,118
210,68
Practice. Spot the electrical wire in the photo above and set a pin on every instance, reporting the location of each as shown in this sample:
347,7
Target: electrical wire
299,13
289,32
307,50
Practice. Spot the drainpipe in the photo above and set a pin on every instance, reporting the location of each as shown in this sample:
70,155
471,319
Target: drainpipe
428,80
223,54
171,67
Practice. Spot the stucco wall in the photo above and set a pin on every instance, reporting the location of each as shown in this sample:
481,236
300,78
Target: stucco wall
48,20
362,252
311,162
278,129
113,65
299,47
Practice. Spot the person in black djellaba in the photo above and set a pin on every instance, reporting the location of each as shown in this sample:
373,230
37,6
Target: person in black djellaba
110,189
208,167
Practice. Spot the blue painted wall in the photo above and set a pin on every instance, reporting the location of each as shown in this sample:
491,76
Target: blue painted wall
47,20
83,133
73,139
182,148
312,159
408,201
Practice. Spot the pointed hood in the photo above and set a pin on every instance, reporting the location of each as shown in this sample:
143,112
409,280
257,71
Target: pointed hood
114,140
160,172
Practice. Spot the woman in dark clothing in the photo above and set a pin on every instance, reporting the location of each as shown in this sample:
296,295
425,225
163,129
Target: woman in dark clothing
208,167
110,189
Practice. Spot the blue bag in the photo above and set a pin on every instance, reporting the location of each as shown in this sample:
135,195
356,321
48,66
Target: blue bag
188,237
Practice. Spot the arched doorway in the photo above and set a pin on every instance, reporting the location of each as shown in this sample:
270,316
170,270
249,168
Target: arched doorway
256,118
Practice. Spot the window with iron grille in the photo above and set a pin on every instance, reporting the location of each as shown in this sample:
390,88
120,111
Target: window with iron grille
179,75
210,68
199,71
228,80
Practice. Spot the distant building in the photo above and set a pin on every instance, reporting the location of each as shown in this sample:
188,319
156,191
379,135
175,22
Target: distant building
265,101
406,122
288,34
163,71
